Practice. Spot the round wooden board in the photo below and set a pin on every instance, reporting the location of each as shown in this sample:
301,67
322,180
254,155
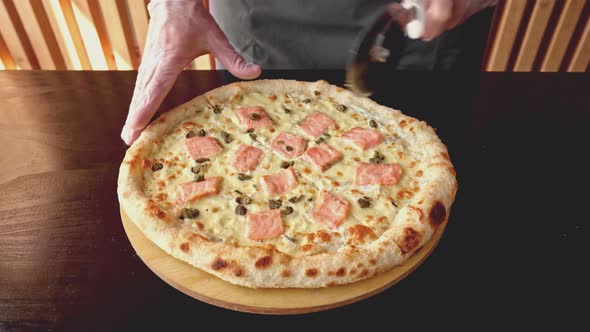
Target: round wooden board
208,288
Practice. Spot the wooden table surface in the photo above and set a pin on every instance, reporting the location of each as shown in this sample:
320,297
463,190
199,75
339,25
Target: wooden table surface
515,253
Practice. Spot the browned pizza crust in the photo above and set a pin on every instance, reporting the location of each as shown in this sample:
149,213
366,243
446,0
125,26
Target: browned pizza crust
265,266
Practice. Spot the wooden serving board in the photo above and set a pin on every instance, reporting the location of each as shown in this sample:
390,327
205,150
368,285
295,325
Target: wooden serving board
208,288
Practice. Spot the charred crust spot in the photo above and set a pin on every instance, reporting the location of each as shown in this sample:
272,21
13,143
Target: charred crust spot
341,272
445,155
306,247
263,262
363,273
155,210
353,271
146,163
403,123
238,272
452,171
419,173
311,273
184,246
358,233
323,236
218,264
272,98
310,237
437,214
331,284
418,211
373,261
200,225
404,194
410,240
285,273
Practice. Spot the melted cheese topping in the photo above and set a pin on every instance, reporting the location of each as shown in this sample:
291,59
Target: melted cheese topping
218,220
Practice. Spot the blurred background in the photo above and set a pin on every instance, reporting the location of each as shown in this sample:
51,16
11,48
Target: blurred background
525,35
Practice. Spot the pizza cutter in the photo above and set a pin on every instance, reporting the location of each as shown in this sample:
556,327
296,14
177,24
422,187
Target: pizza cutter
381,41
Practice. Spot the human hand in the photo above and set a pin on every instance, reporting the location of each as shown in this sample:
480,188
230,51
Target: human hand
178,32
443,15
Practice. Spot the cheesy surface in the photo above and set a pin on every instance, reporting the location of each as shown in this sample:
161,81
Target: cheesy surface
218,220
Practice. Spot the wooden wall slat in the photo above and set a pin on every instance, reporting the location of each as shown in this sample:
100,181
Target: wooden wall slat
139,21
581,58
16,38
72,24
562,35
62,34
103,37
130,40
114,34
536,28
48,34
507,30
33,31
89,34
6,59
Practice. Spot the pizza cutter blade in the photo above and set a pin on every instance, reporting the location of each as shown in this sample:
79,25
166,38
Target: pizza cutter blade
382,42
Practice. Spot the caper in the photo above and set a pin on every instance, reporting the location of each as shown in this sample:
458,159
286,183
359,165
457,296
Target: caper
190,134
188,213
199,177
296,199
306,101
319,140
157,166
227,138
196,169
341,108
289,148
201,132
253,136
243,177
287,210
241,210
254,116
245,200
274,204
238,192
393,203
286,164
288,111
202,160
364,202
377,158
317,93
373,123
217,109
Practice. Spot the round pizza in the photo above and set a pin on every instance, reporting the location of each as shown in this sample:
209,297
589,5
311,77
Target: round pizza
278,183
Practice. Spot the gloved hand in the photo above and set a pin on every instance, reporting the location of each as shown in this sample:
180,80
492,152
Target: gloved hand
178,32
443,15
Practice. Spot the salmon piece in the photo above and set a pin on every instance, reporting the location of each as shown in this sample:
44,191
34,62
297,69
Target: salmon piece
332,211
363,138
279,183
264,225
323,156
288,146
247,158
388,174
253,118
202,147
190,191
316,124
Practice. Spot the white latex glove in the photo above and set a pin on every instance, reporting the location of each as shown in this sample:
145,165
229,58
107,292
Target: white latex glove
443,15
178,32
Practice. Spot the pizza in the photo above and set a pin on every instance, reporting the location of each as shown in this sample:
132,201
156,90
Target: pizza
287,184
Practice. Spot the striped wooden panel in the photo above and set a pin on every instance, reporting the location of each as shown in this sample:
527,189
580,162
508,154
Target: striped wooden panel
75,34
540,35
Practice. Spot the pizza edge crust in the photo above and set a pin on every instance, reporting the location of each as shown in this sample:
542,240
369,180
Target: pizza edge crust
267,267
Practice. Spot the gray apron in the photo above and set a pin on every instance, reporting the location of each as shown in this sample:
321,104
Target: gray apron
317,34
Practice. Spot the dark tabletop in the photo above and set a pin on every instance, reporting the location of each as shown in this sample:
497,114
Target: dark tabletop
515,254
